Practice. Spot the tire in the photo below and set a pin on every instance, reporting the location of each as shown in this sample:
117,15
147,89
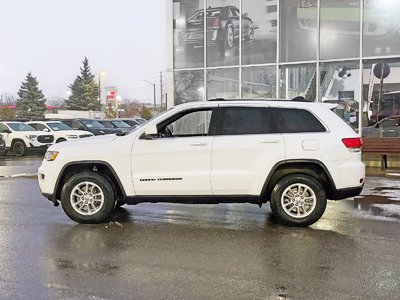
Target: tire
19,148
60,140
88,198
227,42
250,34
298,200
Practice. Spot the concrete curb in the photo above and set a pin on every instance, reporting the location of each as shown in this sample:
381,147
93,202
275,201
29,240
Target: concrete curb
392,175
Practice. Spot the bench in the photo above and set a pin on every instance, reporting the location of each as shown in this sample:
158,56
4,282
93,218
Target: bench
381,146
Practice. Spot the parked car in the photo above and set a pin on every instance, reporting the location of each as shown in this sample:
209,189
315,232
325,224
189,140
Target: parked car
295,154
22,138
131,122
140,120
387,127
2,145
62,132
116,124
222,28
90,125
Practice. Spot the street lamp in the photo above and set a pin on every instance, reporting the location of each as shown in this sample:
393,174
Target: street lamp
154,93
102,74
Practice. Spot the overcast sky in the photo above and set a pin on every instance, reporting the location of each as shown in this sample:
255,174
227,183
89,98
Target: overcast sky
50,38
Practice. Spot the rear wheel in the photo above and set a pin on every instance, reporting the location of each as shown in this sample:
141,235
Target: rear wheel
298,200
88,198
19,148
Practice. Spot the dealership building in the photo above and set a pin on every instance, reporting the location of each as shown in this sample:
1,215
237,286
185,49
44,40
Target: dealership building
341,51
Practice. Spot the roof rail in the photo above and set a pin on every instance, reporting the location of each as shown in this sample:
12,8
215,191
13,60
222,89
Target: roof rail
217,99
301,99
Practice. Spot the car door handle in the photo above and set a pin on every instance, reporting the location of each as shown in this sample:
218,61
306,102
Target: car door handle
199,144
270,141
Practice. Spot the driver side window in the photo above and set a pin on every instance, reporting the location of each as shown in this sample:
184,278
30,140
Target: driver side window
195,123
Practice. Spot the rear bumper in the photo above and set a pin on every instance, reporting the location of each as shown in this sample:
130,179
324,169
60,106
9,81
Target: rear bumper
341,194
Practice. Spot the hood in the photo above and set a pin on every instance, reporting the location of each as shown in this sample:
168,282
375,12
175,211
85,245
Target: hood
93,142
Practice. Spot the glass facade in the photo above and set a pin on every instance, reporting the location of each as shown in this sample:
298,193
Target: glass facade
345,52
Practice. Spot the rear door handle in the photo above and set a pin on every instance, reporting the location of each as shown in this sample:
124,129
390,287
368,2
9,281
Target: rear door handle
270,141
199,144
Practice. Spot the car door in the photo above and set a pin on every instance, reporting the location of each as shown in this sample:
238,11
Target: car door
178,160
245,149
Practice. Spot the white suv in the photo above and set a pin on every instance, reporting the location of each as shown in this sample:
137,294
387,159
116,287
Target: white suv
61,131
294,154
21,138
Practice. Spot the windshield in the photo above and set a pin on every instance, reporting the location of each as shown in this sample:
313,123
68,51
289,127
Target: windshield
92,124
21,127
140,120
121,124
57,126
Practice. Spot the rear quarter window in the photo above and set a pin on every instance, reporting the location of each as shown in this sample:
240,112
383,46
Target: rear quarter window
294,120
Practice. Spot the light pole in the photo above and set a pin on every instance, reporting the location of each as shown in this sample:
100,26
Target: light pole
154,93
102,74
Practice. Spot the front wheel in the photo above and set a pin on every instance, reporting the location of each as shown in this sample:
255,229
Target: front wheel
19,148
88,198
298,200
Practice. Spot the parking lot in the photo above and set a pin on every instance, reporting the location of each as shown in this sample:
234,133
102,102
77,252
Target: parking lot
177,251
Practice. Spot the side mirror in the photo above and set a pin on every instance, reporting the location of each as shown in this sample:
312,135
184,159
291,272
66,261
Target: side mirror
46,130
80,127
150,131
245,15
6,131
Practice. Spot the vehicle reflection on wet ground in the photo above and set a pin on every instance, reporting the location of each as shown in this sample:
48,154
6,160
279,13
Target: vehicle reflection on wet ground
178,251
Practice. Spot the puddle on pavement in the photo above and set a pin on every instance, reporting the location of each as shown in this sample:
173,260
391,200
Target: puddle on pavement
365,202
385,188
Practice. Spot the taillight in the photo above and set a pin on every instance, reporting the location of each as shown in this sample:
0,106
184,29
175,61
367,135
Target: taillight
353,143
217,23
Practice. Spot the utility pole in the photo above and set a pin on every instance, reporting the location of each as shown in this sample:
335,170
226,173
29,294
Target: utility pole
161,92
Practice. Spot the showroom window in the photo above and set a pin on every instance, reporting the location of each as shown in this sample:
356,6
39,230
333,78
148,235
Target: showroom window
298,30
298,80
188,86
259,32
259,82
339,85
223,83
381,28
339,29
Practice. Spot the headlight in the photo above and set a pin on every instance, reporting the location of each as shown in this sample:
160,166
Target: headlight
51,155
70,136
31,136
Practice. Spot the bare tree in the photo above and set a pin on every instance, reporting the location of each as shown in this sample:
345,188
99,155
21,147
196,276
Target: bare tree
7,107
189,86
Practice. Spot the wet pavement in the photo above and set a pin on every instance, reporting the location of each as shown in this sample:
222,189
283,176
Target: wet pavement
172,251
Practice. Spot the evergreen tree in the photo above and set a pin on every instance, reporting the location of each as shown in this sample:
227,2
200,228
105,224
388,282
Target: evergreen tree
145,113
31,102
84,91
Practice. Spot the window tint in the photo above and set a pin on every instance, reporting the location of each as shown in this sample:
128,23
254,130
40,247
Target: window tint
245,120
191,124
186,124
290,120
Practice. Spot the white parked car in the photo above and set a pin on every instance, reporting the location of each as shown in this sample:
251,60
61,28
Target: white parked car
61,131
21,138
294,154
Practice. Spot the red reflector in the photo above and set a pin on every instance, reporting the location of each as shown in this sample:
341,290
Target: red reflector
353,142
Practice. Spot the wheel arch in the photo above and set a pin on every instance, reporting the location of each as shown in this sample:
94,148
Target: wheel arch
100,167
18,140
313,168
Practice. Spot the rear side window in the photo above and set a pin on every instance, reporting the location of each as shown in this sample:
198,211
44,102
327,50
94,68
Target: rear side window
245,120
291,120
